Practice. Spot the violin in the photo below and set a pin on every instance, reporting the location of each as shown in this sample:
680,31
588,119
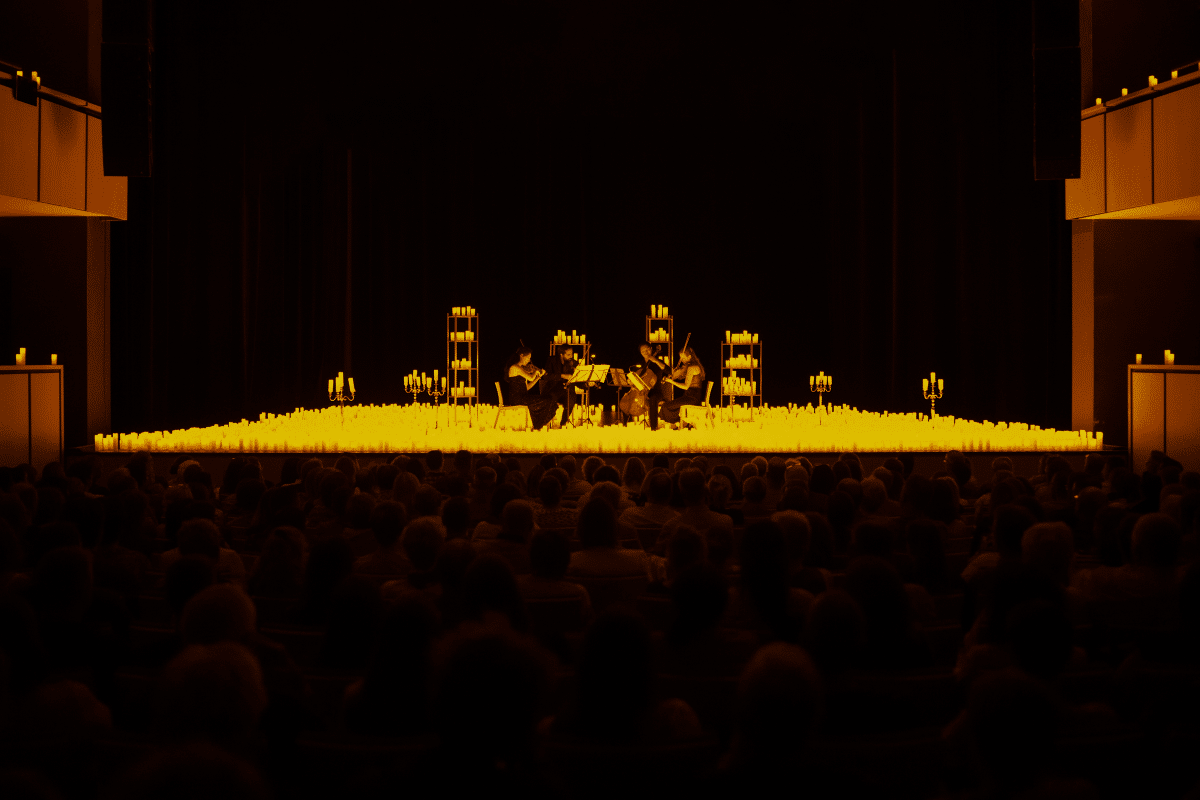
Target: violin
680,370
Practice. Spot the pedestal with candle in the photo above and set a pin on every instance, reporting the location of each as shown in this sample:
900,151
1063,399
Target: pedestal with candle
820,383
932,387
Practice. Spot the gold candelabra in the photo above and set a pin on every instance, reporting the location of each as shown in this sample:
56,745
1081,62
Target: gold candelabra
337,395
820,384
932,387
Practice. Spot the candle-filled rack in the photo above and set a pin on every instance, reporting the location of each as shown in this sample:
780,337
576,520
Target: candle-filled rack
660,330
741,371
462,358
575,340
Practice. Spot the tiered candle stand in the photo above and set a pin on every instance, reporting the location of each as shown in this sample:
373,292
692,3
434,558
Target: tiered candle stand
668,344
751,351
462,344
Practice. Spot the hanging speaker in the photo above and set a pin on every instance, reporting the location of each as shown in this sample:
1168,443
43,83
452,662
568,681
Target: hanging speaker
1057,84
126,96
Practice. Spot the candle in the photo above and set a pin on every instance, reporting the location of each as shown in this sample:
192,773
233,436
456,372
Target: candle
405,384
331,385
54,358
455,310
924,384
726,337
940,384
1124,92
754,340
434,377
443,384
352,386
339,382
812,380
1138,358
583,338
666,312
828,381
652,314
932,377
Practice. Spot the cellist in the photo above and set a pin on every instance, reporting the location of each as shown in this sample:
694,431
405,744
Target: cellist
652,363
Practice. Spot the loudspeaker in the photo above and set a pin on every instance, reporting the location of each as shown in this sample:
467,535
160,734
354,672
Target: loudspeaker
1057,84
126,87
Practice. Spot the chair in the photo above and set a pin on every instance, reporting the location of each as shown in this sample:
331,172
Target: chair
611,591
553,615
303,646
689,414
274,612
521,411
659,612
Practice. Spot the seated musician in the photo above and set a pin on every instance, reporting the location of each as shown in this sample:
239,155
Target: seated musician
689,376
652,365
558,371
521,377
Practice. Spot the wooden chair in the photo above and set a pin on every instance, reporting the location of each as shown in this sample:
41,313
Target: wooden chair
611,591
521,411
690,414
549,616
303,646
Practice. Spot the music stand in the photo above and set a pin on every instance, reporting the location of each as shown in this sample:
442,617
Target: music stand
619,378
588,374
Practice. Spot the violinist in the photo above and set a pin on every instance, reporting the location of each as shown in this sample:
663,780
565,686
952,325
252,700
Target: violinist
559,369
652,371
521,376
689,376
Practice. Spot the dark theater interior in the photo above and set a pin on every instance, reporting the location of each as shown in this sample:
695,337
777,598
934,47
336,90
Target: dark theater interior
273,525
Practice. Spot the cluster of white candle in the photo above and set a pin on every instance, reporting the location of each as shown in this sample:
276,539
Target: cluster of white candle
21,358
575,338
462,336
659,335
339,384
462,311
461,391
422,381
742,362
745,337
659,312
458,363
410,428
739,386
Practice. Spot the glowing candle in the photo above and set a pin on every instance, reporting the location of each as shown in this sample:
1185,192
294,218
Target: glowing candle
1124,92
828,380
666,312
726,337
1138,358
583,338
812,380
352,386
924,384
652,314
435,375
940,384
339,382
331,385
455,310
54,358
755,339
443,384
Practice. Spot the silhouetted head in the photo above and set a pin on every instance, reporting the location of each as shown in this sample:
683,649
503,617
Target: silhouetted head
421,540
779,699
597,525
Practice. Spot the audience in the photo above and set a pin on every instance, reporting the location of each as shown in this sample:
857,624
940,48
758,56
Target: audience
972,600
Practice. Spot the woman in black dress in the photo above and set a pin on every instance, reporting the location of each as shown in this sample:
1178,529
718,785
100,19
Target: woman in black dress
521,377
689,376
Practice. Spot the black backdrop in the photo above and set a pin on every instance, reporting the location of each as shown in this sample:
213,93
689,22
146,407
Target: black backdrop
854,185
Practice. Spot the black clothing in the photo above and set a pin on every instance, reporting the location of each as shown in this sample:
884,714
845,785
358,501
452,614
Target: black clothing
554,383
541,408
655,395
692,397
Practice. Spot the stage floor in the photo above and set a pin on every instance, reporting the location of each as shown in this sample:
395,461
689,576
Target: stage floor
486,429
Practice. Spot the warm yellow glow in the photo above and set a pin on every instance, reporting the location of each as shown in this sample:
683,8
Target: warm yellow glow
411,428
1124,92
1174,74
1099,102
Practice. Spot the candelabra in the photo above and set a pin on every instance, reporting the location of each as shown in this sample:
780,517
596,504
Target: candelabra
435,393
336,395
931,387
820,384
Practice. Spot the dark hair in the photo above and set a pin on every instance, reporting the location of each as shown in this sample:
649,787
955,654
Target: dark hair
550,491
658,488
387,522
456,514
185,578
200,537
607,473
549,554
434,459
764,577
233,473
427,502
691,486
700,596
1008,526
290,471
597,525
500,497
489,585
735,483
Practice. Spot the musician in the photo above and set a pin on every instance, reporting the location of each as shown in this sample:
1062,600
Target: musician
558,370
652,364
521,377
689,376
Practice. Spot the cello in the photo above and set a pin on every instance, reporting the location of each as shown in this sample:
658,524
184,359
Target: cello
635,403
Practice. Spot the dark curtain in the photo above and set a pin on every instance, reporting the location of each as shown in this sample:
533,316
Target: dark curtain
853,184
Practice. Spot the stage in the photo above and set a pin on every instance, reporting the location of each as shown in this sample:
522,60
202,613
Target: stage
419,428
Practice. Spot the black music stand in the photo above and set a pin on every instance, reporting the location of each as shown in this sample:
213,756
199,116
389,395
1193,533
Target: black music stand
617,377
588,375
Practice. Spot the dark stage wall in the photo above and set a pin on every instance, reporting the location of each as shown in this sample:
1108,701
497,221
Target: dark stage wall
856,187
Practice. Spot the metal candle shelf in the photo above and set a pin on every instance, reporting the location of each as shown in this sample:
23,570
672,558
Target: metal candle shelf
751,350
668,343
462,331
